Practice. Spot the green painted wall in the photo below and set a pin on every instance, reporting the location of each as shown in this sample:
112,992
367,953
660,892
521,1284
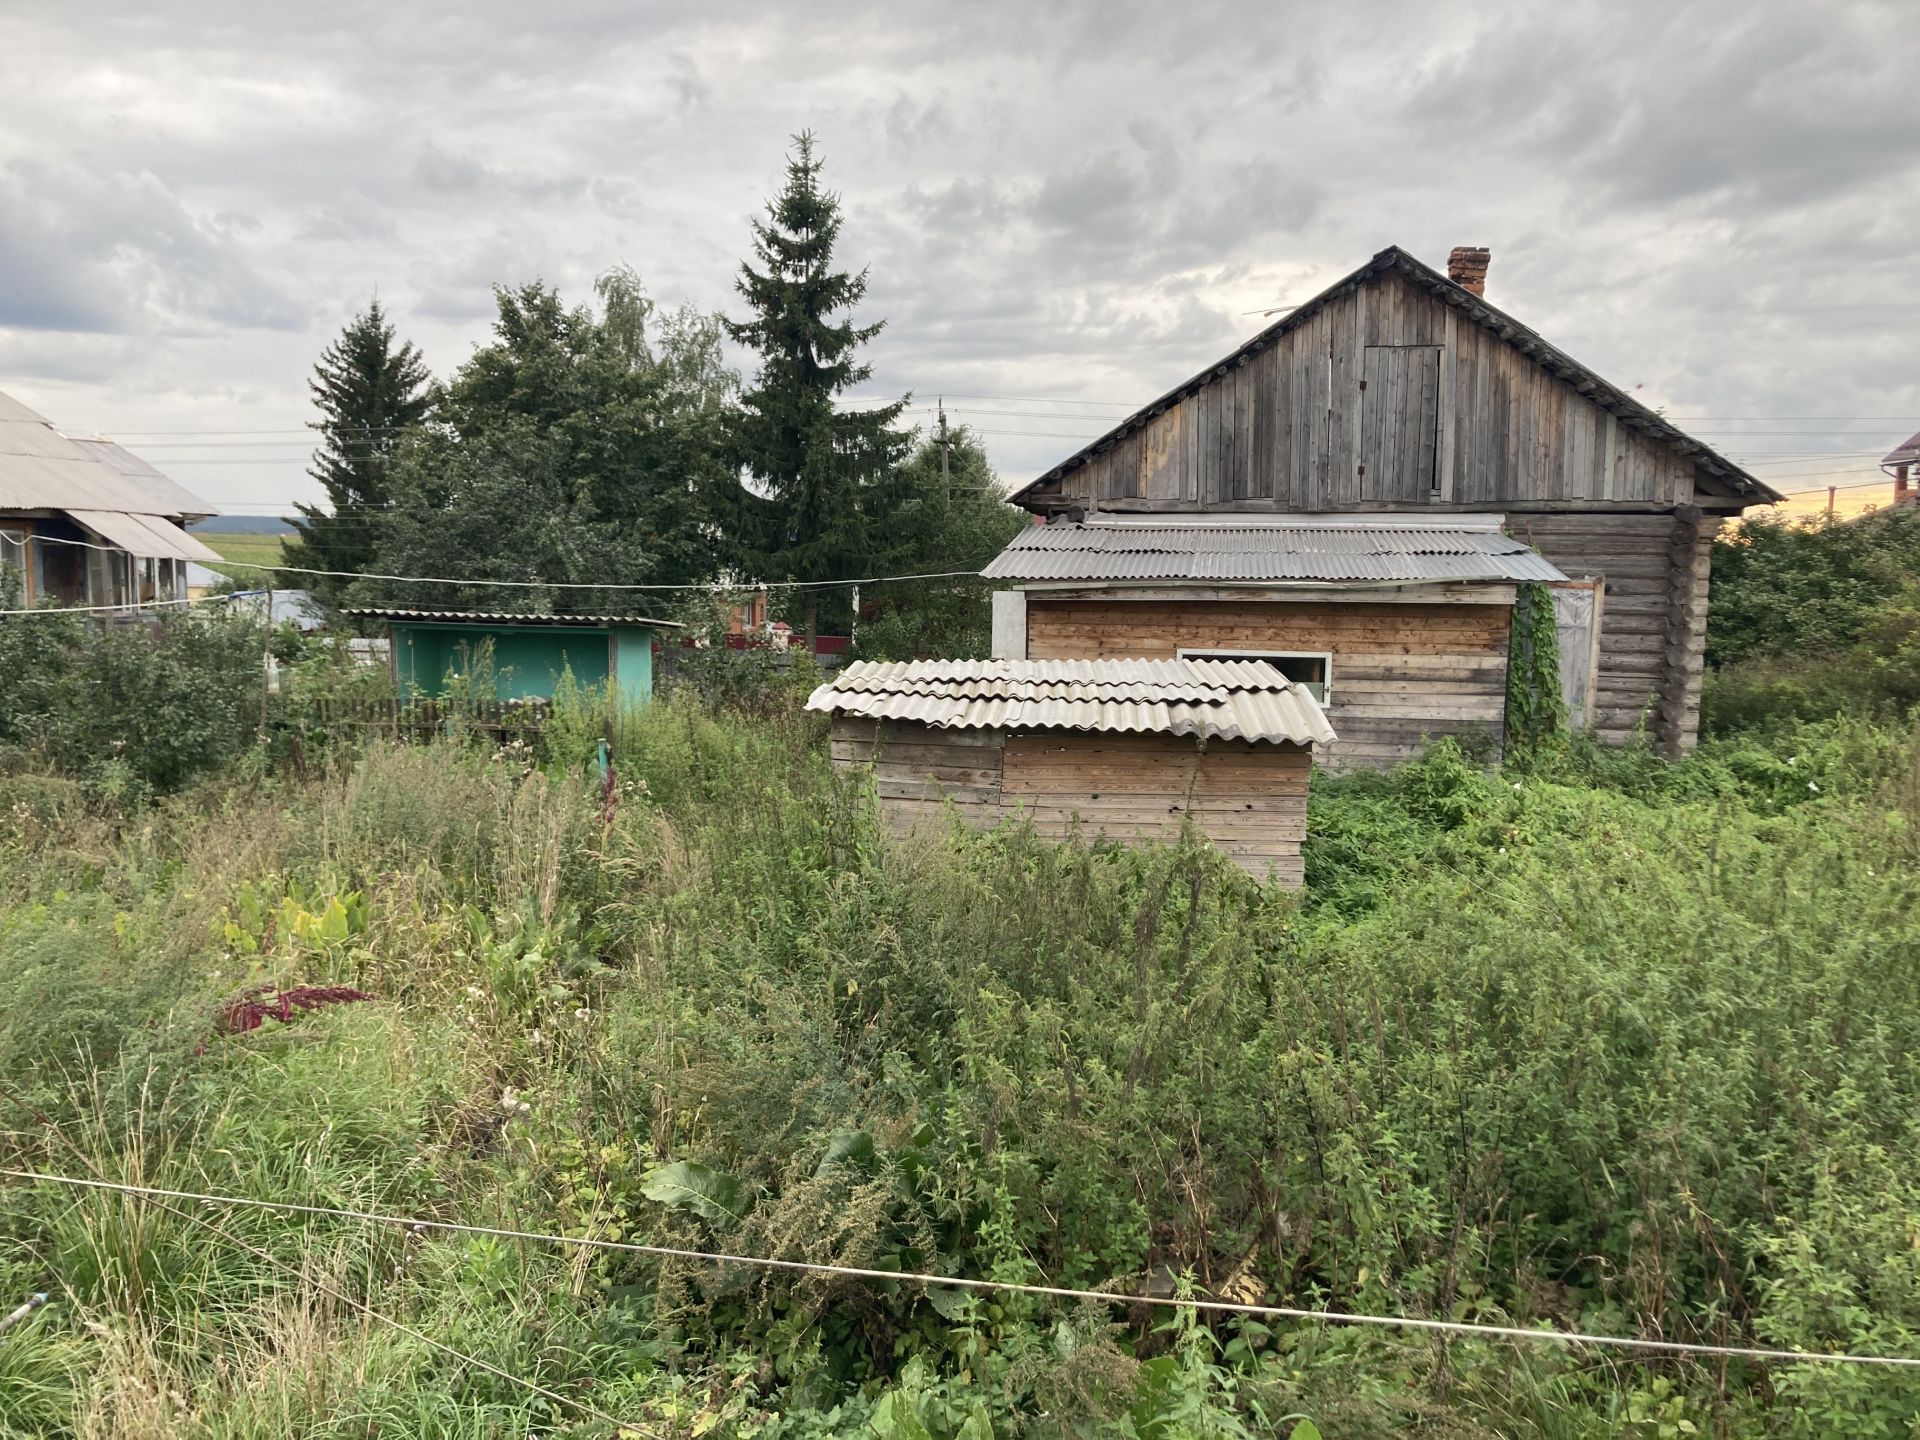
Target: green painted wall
633,663
527,660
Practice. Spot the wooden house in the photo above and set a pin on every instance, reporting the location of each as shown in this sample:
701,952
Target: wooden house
85,523
1387,421
1122,749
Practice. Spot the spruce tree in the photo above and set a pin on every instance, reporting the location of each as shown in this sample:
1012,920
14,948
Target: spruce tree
823,477
370,392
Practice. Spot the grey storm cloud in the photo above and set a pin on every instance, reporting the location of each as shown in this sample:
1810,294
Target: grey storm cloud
1074,202
90,253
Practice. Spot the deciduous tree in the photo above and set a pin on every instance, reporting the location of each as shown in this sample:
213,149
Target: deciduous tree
576,449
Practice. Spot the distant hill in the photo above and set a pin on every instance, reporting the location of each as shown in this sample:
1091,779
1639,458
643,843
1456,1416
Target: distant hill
242,525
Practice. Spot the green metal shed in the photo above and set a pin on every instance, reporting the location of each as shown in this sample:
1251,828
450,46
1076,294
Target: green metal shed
530,652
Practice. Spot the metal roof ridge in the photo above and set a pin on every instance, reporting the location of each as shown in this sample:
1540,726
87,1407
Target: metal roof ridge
388,612
1288,520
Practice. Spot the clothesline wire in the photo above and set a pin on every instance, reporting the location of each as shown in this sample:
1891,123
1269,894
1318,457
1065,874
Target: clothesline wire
1058,1292
572,1402
706,587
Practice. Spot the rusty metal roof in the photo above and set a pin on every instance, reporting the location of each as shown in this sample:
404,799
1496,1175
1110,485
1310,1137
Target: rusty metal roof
1267,553
1211,699
1907,454
510,617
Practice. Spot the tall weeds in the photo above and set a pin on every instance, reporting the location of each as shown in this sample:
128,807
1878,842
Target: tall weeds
1602,1042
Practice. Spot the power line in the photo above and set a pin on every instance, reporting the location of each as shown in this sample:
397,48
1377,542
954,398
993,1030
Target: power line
530,584
132,607
1851,485
1057,1292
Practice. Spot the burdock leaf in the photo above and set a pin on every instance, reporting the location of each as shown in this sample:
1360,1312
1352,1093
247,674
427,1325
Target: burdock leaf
688,1185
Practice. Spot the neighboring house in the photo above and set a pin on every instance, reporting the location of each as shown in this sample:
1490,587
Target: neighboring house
297,608
1129,749
529,652
1357,491
202,582
85,522
1903,465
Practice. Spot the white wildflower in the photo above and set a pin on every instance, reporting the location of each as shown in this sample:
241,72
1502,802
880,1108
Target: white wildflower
583,1014
1813,787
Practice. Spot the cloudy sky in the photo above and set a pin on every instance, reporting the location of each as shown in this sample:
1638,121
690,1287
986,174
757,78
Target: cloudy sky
1065,208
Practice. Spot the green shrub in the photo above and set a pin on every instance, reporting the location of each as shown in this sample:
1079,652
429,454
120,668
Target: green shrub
131,708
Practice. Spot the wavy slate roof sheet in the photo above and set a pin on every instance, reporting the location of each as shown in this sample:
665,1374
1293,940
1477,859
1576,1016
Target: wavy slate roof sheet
508,617
1265,553
1214,699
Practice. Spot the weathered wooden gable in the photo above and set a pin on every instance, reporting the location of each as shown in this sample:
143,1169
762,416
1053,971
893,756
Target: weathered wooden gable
1382,396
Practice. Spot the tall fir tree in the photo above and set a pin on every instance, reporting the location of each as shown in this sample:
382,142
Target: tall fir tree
370,392
823,478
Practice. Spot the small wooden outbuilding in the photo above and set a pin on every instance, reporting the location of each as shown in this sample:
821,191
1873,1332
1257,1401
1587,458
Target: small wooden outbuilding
529,652
1126,749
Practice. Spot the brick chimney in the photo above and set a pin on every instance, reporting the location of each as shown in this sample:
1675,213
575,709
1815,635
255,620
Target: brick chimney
1467,267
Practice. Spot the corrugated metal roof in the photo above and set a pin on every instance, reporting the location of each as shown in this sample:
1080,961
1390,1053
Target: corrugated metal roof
41,469
165,495
1267,553
1215,699
513,617
145,535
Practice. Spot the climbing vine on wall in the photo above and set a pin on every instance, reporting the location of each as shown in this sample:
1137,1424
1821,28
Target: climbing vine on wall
1536,710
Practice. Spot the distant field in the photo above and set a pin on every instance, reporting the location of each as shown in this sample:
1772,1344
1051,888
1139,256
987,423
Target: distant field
245,551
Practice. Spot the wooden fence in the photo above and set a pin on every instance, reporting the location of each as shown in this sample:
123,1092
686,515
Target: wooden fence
424,719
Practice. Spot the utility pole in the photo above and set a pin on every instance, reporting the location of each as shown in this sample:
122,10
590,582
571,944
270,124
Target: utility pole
942,403
1831,491
266,663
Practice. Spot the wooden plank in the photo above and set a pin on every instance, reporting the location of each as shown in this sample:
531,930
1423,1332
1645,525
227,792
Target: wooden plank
1350,343
932,790
855,728
1373,413
1269,433
924,746
1426,440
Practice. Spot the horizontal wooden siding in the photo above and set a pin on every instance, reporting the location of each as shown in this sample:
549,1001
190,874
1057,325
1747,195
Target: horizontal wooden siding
1250,800
1401,673
1653,627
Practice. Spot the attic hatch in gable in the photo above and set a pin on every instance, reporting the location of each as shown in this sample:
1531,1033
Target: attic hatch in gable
1400,422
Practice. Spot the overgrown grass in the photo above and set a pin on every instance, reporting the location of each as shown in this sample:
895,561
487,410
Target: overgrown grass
1607,1043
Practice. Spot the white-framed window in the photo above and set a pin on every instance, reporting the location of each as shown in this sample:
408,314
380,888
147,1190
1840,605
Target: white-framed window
1312,668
